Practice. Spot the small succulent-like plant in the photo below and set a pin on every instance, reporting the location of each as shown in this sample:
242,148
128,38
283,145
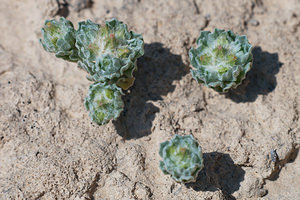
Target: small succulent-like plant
59,38
104,101
182,158
108,53
221,59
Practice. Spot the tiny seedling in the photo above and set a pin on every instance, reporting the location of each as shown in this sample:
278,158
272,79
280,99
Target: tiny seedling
108,53
221,59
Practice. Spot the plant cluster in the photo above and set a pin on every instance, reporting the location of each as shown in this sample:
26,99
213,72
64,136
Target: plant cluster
108,53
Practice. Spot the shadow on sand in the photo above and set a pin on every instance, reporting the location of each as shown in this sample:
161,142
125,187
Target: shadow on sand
157,70
219,173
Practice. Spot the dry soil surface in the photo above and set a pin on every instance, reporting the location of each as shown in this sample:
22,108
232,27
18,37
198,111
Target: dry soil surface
49,149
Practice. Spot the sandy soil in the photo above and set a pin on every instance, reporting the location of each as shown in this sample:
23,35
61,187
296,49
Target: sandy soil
49,149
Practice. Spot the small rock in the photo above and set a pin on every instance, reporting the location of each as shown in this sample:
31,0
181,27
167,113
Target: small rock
253,22
274,156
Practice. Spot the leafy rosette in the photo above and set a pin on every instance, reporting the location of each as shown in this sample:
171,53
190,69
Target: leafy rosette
104,102
182,158
221,59
59,38
109,52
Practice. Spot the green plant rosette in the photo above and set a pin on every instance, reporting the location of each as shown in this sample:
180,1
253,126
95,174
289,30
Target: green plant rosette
221,59
182,158
104,102
108,52
59,38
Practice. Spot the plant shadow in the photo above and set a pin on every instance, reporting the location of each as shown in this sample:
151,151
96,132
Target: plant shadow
63,8
260,79
219,173
157,70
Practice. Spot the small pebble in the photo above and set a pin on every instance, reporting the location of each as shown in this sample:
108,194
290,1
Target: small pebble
274,155
253,22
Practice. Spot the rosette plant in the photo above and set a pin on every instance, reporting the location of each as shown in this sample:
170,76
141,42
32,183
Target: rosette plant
221,59
108,53
182,158
104,101
59,38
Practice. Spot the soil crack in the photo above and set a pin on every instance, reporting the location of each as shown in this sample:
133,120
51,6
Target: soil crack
93,187
196,7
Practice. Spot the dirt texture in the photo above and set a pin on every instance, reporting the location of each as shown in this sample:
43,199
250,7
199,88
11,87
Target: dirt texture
50,149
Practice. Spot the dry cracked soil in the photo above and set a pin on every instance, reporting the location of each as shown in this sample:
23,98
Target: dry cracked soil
49,149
